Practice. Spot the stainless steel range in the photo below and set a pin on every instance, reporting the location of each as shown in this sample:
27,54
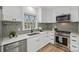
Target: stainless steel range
62,40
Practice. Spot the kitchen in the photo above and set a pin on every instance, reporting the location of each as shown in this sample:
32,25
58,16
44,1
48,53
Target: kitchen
39,29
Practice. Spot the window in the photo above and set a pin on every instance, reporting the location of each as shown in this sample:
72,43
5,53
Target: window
29,21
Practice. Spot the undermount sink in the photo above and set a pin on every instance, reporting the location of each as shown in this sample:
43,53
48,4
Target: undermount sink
30,34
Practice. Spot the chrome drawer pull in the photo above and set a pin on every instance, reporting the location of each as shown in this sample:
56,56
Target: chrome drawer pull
74,46
51,39
73,36
74,40
37,40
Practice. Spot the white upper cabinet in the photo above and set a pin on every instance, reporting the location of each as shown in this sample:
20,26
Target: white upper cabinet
75,14
47,15
12,13
44,14
39,15
72,10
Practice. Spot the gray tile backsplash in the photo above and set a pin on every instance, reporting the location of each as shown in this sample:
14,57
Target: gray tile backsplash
12,26
46,26
72,27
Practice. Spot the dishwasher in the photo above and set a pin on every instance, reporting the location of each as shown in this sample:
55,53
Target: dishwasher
19,46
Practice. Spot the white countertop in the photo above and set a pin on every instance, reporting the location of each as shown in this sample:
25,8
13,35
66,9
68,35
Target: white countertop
8,40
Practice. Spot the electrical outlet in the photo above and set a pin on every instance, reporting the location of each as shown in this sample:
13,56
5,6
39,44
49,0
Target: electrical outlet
19,29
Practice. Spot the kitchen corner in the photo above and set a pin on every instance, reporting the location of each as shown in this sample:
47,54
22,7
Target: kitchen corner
39,29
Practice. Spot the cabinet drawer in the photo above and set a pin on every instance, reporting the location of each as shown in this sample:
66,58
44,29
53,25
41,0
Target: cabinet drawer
74,48
74,34
74,37
74,40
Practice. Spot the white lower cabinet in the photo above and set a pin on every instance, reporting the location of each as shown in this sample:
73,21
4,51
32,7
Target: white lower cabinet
34,44
44,39
51,37
74,42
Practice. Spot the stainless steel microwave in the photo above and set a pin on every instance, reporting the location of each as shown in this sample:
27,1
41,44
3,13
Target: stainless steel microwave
63,18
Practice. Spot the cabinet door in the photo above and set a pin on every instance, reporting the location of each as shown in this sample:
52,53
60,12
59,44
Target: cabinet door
18,15
32,44
16,47
44,15
74,14
52,39
7,13
43,40
50,16
12,13
47,15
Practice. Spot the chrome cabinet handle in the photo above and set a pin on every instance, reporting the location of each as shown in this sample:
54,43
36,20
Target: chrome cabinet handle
37,40
74,46
52,35
73,36
51,39
74,40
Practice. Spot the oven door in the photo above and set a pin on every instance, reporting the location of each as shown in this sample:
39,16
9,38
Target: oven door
58,39
65,41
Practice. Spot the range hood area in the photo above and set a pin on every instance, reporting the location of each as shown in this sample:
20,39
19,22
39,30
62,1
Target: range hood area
69,27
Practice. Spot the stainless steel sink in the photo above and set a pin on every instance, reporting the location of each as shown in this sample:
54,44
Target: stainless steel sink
30,34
